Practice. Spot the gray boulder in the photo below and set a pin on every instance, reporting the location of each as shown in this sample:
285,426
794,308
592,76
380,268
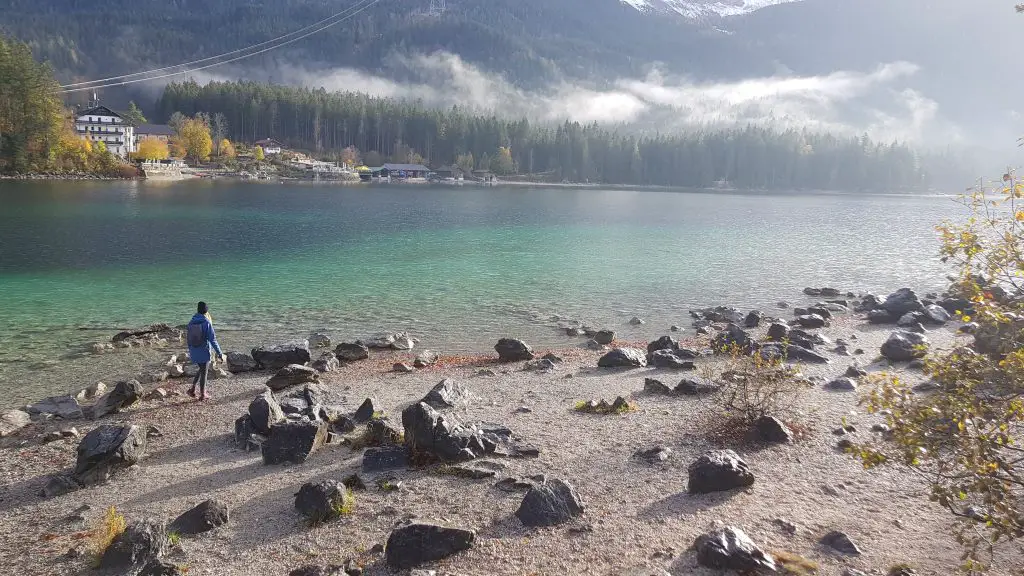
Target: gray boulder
934,314
293,441
322,501
239,362
447,394
13,420
670,359
204,517
842,384
157,567
910,319
771,429
292,375
903,345
124,394
425,359
385,458
327,362
902,301
550,503
840,542
604,337
281,355
623,358
141,542
432,433
663,343
246,436
63,406
718,471
351,352
106,450
791,352
415,544
59,485
264,412
731,549
365,411
778,331
652,386
753,319
733,335
811,321
880,316
513,350
696,386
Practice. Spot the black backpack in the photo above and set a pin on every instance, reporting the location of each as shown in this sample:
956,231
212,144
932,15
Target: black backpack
196,336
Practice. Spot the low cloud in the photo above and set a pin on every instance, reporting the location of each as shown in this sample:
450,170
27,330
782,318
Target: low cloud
879,102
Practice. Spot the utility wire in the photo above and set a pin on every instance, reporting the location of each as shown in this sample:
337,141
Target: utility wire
78,87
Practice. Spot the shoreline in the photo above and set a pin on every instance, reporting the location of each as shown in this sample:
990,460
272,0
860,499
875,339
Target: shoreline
636,514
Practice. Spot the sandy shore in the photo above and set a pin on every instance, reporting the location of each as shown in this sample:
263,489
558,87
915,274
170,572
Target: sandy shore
637,514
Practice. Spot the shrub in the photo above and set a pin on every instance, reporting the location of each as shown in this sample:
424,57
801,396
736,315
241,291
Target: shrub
619,406
965,440
109,527
754,386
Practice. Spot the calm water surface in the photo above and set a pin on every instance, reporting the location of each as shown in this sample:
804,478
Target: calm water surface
457,267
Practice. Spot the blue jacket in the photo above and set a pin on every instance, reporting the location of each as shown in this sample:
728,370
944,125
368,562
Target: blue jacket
201,354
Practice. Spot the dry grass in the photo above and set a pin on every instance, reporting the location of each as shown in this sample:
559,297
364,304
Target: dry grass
753,387
795,565
620,406
110,526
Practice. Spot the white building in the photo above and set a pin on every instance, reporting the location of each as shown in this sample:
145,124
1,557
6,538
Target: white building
101,124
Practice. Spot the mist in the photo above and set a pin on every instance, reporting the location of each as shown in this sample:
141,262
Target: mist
880,101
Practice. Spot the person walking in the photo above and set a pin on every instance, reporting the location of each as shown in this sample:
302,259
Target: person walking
201,338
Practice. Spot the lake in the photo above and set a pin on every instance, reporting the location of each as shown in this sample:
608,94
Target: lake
456,267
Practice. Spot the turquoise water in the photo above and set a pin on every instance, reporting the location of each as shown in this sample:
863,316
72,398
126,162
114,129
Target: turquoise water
456,267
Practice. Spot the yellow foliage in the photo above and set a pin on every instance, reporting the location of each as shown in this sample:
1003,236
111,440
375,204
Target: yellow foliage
151,148
258,153
108,529
227,150
194,138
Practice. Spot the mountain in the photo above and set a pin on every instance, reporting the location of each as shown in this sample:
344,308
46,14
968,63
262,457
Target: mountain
703,9
882,63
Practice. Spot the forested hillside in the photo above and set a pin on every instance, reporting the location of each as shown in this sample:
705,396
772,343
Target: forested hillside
324,123
528,41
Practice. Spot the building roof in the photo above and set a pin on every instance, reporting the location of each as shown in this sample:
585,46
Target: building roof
268,142
407,167
98,111
154,130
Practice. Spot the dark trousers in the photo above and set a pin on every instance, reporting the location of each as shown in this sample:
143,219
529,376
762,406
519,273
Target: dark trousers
201,377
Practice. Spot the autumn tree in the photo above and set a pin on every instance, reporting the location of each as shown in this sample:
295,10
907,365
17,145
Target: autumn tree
195,139
350,156
151,148
227,149
465,162
32,115
966,440
258,154
502,163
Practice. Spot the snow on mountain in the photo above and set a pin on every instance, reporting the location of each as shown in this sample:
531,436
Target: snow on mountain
699,9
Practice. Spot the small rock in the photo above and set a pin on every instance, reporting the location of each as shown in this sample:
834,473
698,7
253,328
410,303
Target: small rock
696,386
366,411
142,541
553,502
731,549
486,372
652,386
327,362
634,321
323,500
385,458
771,429
842,384
855,371
204,517
811,321
414,544
402,368
604,337
540,365
904,346
351,352
319,340
156,394
13,420
675,328
425,359
512,350
840,542
718,470
92,391
655,454
785,525
293,441
623,358
292,375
